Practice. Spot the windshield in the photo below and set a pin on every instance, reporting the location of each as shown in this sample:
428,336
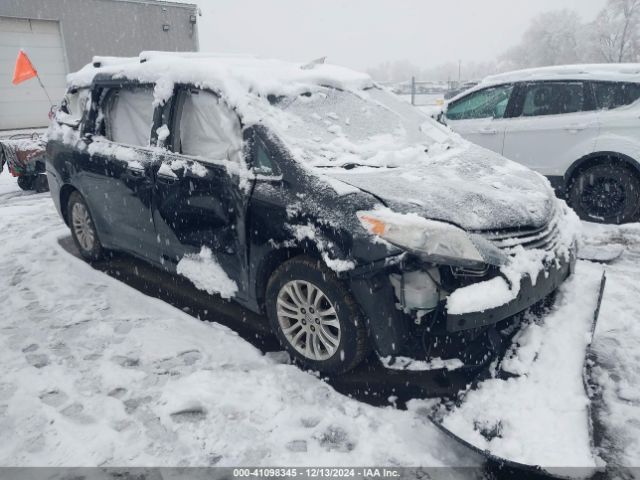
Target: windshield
336,126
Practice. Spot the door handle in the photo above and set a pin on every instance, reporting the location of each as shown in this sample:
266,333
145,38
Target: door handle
135,172
168,179
488,131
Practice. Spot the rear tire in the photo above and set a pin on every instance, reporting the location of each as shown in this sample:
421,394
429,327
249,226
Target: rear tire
40,183
606,192
315,317
83,229
25,182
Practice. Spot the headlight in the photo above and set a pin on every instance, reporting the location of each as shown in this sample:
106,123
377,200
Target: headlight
433,241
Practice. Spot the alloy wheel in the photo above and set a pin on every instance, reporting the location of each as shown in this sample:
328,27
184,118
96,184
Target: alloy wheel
604,197
83,226
308,320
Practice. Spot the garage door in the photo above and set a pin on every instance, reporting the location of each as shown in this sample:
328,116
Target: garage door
26,105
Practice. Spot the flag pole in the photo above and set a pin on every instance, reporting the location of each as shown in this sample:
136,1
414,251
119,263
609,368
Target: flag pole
45,90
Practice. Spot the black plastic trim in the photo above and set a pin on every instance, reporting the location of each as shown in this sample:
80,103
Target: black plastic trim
547,281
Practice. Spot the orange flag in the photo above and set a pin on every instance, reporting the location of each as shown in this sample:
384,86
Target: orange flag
24,70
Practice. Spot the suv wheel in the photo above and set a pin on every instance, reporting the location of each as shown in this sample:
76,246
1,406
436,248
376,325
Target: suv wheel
83,229
606,193
315,317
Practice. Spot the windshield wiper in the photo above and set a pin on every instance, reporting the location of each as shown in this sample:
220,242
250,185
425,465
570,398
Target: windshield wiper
351,166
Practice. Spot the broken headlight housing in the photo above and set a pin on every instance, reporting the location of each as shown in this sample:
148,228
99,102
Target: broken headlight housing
433,241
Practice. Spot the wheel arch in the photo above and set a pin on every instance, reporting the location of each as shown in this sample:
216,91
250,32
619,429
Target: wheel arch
272,260
597,157
65,193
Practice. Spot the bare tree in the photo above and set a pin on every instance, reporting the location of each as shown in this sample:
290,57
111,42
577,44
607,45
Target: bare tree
553,38
614,34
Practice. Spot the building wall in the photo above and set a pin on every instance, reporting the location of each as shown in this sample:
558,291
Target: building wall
112,27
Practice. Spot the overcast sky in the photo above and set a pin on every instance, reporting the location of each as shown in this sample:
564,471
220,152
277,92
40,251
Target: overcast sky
364,33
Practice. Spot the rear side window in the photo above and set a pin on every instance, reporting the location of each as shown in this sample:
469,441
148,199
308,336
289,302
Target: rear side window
615,94
487,103
553,98
207,127
129,115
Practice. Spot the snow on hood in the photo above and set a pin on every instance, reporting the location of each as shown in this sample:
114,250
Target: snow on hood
375,142
466,185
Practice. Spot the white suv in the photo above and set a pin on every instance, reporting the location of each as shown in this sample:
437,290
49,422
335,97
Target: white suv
579,125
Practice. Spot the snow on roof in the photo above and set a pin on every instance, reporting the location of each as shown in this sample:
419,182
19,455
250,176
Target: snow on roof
607,71
241,80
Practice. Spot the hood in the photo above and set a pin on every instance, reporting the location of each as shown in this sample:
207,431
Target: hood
466,185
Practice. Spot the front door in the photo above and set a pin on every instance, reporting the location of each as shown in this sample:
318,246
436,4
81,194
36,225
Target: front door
479,116
201,196
554,124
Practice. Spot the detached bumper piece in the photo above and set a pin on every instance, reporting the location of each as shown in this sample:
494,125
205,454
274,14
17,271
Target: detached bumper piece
547,282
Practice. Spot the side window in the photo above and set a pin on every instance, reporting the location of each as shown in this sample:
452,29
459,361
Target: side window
207,127
615,94
553,98
487,103
263,163
129,115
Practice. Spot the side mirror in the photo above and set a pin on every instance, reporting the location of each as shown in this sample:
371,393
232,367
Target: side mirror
65,119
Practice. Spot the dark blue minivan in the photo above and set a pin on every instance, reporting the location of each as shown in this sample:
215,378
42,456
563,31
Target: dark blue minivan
309,194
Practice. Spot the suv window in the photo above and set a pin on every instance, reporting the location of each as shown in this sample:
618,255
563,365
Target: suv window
486,103
553,98
207,127
129,115
615,94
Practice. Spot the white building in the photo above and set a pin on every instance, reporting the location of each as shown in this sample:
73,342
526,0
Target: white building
61,36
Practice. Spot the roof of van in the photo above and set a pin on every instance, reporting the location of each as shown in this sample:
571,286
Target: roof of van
240,79
606,71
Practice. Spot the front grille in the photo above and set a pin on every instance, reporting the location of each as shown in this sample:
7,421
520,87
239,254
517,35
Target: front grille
544,237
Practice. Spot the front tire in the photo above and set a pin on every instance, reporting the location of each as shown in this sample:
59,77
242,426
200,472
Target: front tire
606,192
315,317
83,229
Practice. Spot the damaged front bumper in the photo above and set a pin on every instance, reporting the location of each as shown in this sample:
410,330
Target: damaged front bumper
397,330
530,292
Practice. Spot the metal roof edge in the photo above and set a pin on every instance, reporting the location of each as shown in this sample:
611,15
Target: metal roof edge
165,3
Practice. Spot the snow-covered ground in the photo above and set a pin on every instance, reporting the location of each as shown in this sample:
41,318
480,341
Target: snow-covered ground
96,373
617,347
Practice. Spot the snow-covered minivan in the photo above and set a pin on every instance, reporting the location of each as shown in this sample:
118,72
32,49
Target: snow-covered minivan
309,194
578,124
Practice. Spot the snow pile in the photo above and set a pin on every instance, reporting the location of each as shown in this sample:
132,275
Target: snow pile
206,274
617,346
539,417
244,80
326,248
406,363
481,296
